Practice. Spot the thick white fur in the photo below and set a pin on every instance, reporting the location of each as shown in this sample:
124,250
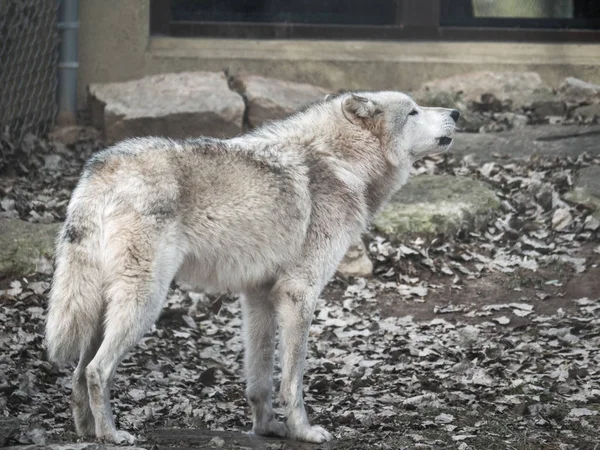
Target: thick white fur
268,215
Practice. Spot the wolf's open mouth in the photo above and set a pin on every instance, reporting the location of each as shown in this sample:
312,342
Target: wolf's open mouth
444,140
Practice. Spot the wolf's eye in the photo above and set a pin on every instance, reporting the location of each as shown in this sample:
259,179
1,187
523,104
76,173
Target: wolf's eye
414,112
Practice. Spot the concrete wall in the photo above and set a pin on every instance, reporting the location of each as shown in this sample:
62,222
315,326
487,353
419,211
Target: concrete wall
115,45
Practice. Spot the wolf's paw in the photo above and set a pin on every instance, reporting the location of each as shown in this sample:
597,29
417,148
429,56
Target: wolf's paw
272,428
122,437
315,434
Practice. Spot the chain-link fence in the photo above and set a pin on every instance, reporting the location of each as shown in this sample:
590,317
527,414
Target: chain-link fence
28,66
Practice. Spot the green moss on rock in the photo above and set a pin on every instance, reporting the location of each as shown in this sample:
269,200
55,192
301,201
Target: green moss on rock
434,204
25,246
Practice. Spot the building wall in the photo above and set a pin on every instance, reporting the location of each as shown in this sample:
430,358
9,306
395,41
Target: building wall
115,45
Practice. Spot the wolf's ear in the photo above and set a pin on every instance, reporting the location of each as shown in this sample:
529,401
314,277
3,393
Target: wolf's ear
328,97
357,108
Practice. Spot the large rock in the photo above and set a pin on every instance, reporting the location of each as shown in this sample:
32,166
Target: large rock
26,247
519,89
176,105
434,204
269,99
577,92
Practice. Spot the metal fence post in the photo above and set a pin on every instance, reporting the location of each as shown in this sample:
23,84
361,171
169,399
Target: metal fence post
68,26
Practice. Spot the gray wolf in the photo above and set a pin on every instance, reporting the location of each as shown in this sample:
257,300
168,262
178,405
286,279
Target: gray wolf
268,215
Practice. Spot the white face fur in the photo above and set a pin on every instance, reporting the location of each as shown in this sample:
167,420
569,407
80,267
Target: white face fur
410,128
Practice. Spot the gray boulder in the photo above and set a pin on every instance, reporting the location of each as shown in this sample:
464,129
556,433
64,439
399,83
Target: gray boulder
577,92
434,204
176,105
269,99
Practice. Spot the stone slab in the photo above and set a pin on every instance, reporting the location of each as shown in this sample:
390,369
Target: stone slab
578,92
269,99
175,105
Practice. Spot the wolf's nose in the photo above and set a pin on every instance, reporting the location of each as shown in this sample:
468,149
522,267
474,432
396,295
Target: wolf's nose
455,114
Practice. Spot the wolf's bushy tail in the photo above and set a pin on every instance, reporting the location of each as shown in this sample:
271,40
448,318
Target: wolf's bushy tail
75,305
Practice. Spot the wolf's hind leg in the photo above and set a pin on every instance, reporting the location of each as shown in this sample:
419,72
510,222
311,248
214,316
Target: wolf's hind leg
260,327
134,295
80,399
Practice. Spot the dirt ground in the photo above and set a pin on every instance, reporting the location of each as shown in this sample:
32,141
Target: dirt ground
498,288
407,426
525,419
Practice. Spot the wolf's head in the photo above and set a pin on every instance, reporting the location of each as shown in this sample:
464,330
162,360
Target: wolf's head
405,129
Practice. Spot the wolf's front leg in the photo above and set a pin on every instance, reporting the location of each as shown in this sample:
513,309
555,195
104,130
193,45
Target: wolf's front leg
296,302
260,327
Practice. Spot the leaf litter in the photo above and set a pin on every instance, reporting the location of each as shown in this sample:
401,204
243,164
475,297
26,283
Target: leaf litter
474,375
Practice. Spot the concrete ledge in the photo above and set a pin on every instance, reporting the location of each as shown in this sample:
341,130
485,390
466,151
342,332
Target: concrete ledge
373,51
372,65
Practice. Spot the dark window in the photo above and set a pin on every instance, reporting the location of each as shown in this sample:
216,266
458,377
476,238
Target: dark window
334,12
494,20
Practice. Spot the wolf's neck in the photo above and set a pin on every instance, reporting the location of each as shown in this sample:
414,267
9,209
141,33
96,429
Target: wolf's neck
300,128
355,155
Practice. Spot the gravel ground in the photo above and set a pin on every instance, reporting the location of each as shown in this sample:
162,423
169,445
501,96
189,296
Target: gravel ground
488,339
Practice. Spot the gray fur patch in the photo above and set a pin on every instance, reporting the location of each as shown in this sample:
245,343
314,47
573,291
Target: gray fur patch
72,234
162,209
330,191
94,164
